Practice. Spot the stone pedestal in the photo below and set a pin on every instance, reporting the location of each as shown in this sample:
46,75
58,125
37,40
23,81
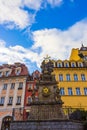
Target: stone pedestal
46,112
46,125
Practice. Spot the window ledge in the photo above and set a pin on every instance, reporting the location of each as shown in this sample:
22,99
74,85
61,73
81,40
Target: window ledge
1,104
18,103
9,104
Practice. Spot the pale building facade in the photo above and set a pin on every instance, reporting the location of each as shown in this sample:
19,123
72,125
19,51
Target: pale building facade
12,90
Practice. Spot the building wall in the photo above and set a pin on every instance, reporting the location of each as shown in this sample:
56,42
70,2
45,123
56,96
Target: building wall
31,92
30,89
73,100
12,92
7,90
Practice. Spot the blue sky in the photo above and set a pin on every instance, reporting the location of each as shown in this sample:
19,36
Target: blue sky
31,29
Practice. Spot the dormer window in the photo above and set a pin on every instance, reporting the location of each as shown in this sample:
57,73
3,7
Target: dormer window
66,65
80,64
18,72
59,64
7,73
73,64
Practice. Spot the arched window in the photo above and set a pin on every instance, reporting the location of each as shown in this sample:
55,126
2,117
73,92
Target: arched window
59,64
6,123
80,64
66,65
73,64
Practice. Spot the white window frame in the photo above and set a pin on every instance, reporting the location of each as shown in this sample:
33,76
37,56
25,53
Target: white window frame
5,86
85,90
10,100
2,100
75,77
66,64
60,77
20,85
78,91
68,77
18,99
83,77
7,73
62,92
70,92
12,85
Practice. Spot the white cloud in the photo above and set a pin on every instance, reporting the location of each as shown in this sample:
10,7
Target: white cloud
13,14
58,43
2,43
33,4
54,3
54,42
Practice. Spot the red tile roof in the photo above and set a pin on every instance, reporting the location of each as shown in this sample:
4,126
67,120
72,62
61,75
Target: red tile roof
14,67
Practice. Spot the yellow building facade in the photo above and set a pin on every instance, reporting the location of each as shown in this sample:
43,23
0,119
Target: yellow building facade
72,79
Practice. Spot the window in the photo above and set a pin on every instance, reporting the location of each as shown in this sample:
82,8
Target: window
70,91
20,85
30,87
66,65
29,100
10,100
2,100
73,65
7,73
78,91
0,74
68,77
35,87
18,72
83,77
85,91
60,77
75,77
5,87
18,100
36,98
12,85
80,65
62,91
59,64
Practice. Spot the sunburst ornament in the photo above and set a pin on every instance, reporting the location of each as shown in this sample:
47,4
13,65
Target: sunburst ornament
46,91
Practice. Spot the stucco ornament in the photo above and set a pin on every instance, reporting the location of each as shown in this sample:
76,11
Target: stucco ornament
46,91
